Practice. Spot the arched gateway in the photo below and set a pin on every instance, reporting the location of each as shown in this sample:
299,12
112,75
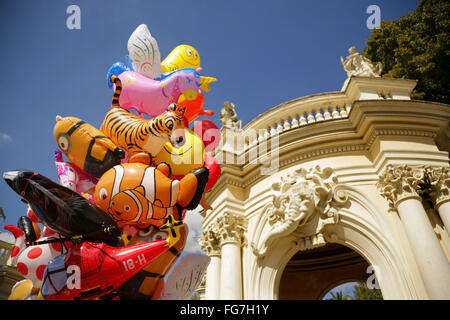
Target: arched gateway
365,169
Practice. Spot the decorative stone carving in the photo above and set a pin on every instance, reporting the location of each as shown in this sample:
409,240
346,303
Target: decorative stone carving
437,182
357,65
210,242
228,117
227,228
305,201
231,228
384,94
400,182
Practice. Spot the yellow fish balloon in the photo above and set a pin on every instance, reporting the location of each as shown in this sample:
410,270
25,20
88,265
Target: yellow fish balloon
183,56
186,156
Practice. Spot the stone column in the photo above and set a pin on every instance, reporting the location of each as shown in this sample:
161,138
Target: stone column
401,184
438,181
231,228
209,242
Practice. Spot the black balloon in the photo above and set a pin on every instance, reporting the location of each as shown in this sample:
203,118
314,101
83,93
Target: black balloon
26,226
63,210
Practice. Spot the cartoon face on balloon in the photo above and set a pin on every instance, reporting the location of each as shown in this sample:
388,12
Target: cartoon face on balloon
144,85
183,56
134,193
191,153
137,194
187,155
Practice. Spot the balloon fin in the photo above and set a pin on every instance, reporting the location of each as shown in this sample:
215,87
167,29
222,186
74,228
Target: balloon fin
206,113
17,232
205,81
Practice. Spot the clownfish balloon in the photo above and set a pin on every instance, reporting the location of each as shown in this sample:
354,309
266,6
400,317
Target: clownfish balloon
137,194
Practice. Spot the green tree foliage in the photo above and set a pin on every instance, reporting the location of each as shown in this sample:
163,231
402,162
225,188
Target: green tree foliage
339,296
362,292
416,46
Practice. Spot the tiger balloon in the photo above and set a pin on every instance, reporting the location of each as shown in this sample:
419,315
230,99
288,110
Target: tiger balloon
135,134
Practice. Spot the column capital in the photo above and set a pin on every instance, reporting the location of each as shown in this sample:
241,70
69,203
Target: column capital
210,243
231,228
401,182
438,184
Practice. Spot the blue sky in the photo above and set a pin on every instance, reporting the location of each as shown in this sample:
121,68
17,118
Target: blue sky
263,53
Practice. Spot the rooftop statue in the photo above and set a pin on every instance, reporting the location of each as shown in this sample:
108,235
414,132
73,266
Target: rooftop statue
357,65
228,117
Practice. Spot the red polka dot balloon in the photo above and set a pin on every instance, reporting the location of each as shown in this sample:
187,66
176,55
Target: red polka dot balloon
31,261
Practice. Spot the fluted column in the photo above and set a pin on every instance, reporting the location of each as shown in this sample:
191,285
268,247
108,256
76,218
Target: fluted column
210,244
400,185
438,180
232,228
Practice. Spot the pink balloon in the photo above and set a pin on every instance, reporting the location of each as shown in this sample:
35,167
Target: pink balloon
72,177
151,96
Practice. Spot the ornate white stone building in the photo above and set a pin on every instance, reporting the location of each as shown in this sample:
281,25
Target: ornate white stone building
317,189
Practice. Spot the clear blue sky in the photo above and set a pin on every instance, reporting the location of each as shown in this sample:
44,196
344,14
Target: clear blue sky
263,53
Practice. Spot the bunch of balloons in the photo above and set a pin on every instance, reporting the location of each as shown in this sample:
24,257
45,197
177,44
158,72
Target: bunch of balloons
113,223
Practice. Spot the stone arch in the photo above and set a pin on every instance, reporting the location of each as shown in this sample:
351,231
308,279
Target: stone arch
310,274
358,227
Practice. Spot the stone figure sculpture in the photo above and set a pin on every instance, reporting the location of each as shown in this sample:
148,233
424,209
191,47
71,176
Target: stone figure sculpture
355,64
228,117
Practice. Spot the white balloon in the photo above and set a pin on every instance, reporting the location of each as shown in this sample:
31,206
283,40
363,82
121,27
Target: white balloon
185,277
144,52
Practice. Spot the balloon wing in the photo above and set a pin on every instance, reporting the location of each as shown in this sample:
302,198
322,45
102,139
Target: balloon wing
185,277
144,52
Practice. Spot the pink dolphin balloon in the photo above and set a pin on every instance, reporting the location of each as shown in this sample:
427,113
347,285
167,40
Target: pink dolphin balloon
152,96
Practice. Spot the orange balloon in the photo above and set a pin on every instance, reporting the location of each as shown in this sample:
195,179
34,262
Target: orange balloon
134,193
194,107
138,194
85,146
21,290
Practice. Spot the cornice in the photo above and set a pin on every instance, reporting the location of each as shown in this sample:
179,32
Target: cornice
355,134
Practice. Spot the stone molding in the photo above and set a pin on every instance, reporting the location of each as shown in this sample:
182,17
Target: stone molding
320,152
304,202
